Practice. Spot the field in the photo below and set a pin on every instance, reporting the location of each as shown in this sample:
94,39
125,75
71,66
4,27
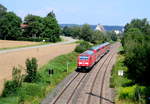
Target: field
5,44
43,55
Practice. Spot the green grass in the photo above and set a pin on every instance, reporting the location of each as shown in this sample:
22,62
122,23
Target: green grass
33,93
59,65
9,100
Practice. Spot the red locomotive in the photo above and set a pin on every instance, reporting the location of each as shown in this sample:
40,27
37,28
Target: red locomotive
88,58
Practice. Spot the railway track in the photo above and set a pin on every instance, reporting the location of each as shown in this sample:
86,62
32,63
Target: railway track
95,79
69,89
93,92
72,91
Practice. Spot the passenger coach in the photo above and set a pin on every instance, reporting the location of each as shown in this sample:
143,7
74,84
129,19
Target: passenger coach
88,58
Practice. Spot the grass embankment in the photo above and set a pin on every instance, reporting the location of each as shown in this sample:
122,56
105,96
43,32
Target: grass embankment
127,92
33,93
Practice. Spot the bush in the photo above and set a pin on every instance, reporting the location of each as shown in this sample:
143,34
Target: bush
34,39
134,93
11,86
30,91
31,69
83,46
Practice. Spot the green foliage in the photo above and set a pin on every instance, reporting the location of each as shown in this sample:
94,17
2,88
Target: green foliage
83,46
134,93
117,81
33,93
114,36
142,24
51,14
3,10
39,27
126,91
72,31
137,60
10,26
9,100
85,33
34,39
137,50
11,86
51,29
35,26
98,37
59,65
137,55
30,91
31,69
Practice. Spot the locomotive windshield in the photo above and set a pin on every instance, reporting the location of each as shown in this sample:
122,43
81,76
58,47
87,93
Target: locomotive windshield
83,57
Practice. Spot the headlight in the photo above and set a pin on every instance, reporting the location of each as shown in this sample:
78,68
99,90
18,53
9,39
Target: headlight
86,63
80,62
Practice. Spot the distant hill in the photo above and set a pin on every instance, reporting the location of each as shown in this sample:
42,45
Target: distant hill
106,27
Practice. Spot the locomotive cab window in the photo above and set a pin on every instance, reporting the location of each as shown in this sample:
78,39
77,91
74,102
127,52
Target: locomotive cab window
83,57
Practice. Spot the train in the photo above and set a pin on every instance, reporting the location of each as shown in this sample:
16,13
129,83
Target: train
91,56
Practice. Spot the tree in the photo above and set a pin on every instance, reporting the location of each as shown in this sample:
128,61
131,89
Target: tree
98,37
72,31
35,26
83,46
132,35
31,69
67,31
86,33
51,28
114,36
137,52
11,86
51,14
143,25
76,31
3,10
10,26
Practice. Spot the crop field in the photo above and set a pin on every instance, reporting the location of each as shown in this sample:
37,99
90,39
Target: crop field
5,44
18,58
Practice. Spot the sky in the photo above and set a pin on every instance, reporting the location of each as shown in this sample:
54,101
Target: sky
105,12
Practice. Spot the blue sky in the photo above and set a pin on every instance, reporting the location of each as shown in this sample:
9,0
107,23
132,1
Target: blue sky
106,12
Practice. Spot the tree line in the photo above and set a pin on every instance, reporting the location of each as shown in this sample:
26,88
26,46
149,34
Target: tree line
35,28
136,42
86,33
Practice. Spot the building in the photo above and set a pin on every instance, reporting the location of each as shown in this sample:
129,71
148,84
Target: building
100,28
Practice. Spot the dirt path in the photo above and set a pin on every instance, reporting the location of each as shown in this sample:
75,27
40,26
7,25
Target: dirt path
17,57
11,44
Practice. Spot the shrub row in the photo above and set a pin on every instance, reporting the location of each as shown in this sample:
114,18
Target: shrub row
34,39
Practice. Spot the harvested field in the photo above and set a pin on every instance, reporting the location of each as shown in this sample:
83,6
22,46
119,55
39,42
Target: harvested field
11,44
43,55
